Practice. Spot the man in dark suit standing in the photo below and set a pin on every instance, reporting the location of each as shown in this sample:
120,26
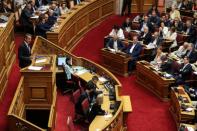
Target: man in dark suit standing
126,3
134,51
24,52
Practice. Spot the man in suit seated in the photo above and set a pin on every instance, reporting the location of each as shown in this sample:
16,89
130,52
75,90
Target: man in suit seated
115,44
92,84
181,51
155,41
145,36
56,10
126,26
177,24
166,64
96,109
26,14
190,30
5,8
185,72
24,52
146,23
134,51
78,106
154,19
186,5
50,18
191,53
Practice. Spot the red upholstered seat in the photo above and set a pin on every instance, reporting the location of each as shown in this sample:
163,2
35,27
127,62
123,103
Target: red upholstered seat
76,95
85,106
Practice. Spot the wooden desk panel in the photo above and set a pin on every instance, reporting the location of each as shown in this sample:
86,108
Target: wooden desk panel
179,115
80,21
152,80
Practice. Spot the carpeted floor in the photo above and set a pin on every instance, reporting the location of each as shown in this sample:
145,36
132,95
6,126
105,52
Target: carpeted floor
149,113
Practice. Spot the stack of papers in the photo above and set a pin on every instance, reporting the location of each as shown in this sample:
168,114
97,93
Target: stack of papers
3,25
189,109
35,68
41,60
80,72
102,79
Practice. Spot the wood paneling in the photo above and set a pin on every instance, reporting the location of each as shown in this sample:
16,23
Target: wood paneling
81,20
7,54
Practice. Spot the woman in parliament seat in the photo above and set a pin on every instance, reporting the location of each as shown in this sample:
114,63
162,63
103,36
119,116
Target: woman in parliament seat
163,30
117,31
70,84
159,55
42,27
174,13
172,35
177,24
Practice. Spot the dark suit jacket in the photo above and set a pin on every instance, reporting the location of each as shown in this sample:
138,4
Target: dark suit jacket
125,25
111,43
147,39
6,9
78,106
192,34
25,17
166,66
187,6
155,20
179,27
41,29
95,110
159,41
192,56
51,20
149,25
136,51
186,72
24,56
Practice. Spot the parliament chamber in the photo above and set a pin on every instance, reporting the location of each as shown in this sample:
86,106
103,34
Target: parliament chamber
98,65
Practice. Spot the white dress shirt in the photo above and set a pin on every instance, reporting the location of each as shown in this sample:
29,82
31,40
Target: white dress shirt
120,33
172,36
132,48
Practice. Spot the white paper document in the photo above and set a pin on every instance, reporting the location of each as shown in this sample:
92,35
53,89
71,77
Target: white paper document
41,60
35,68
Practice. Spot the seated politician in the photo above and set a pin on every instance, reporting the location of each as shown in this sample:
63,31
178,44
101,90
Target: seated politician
177,24
134,50
92,84
185,72
191,53
155,41
145,36
126,26
115,44
171,36
154,19
42,27
190,30
24,52
96,109
117,31
166,64
181,51
146,23
163,30
78,107
69,73
159,55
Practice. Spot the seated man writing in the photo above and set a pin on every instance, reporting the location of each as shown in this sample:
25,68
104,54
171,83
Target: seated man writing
115,44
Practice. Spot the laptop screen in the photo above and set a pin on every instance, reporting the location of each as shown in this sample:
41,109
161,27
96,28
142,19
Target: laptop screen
61,61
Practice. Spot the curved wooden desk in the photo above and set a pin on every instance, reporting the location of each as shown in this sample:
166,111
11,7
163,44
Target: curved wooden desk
82,18
114,123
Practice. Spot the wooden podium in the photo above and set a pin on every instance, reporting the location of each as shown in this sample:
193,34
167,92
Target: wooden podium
115,62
